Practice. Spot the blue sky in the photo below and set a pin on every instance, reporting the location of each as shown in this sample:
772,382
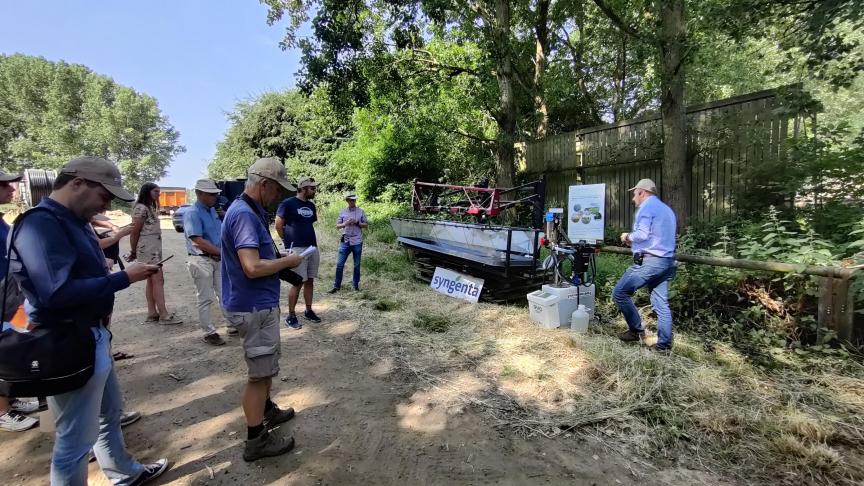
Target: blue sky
196,57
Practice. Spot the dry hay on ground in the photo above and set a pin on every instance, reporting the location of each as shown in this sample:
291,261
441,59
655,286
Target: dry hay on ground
708,409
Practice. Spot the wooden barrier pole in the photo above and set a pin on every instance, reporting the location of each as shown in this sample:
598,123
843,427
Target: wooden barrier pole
819,271
836,301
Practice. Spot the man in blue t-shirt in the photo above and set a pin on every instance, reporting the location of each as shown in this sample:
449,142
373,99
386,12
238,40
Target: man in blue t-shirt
294,220
250,299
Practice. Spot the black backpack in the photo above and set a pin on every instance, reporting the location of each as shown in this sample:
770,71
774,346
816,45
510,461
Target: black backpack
51,359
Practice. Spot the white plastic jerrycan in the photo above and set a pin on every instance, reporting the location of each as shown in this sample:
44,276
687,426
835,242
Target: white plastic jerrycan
579,319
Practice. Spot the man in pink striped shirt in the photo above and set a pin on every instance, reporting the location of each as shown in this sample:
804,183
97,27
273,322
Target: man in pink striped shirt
350,223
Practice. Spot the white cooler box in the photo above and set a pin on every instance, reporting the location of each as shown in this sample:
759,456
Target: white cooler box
543,309
568,299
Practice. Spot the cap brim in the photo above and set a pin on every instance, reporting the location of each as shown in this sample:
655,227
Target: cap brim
119,192
286,185
10,178
210,191
353,198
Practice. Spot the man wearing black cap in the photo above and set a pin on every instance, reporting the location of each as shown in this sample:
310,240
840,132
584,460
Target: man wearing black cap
61,270
12,412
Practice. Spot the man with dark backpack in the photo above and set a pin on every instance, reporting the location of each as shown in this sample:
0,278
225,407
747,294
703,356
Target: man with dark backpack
13,412
56,259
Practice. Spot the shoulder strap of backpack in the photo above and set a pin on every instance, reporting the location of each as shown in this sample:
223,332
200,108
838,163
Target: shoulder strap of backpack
16,226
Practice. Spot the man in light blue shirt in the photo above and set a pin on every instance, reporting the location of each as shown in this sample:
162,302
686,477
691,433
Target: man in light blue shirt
203,231
653,244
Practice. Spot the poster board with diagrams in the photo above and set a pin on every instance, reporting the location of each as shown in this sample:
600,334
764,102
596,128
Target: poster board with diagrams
586,213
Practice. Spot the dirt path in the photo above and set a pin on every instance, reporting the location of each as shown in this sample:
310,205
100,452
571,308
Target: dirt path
357,422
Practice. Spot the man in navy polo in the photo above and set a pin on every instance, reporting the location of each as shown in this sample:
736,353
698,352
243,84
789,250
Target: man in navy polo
250,299
294,224
61,270
203,231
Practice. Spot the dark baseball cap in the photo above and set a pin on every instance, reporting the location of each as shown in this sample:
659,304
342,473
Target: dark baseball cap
4,177
100,171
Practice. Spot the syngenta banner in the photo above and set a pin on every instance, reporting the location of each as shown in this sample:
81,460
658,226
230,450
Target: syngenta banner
456,285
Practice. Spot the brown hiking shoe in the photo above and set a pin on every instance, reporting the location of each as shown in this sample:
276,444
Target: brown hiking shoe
629,336
215,339
655,349
267,445
277,416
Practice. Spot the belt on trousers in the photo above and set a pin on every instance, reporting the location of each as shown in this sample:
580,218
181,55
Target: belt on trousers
638,257
207,255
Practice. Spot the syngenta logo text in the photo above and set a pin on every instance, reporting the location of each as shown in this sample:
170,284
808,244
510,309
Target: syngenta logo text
455,286
305,212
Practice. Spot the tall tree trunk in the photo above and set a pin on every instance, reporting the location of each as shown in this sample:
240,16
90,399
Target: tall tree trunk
676,168
506,116
541,49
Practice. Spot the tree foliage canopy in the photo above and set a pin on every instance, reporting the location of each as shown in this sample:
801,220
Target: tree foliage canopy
53,111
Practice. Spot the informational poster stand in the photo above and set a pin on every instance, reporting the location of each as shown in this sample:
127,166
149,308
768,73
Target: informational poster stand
586,213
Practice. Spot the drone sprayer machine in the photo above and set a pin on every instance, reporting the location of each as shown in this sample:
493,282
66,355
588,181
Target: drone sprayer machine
572,288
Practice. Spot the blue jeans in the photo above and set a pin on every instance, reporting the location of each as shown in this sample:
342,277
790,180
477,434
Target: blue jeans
89,417
655,274
344,250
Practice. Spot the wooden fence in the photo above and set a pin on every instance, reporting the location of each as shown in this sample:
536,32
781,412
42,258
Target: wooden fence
724,138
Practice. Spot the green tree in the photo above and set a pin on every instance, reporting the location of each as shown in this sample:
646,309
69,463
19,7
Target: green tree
53,111
300,131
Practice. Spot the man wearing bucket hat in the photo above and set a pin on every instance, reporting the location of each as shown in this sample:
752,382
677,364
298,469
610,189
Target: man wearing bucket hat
250,299
203,231
653,244
350,223
62,273
294,223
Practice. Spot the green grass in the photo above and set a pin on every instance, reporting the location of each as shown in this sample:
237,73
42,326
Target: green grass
431,322
387,305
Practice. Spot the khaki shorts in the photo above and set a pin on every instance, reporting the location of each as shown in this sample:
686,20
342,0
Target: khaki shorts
308,268
261,345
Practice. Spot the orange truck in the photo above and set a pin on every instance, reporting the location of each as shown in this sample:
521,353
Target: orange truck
171,198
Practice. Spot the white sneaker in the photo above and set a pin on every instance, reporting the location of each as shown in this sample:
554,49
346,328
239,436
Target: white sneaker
25,405
13,421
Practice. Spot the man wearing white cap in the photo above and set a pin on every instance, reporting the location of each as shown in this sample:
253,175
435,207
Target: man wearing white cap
653,243
350,223
203,231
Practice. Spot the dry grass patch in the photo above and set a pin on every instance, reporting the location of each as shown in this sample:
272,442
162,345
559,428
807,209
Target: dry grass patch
706,407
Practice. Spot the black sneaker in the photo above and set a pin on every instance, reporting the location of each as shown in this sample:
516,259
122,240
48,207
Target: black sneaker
151,472
215,339
278,416
311,316
333,290
629,336
266,445
292,322
129,418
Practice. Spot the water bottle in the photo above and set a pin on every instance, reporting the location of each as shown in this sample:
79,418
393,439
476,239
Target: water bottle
579,319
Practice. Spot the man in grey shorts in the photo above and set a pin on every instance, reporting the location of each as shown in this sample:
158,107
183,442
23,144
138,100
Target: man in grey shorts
294,224
250,299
